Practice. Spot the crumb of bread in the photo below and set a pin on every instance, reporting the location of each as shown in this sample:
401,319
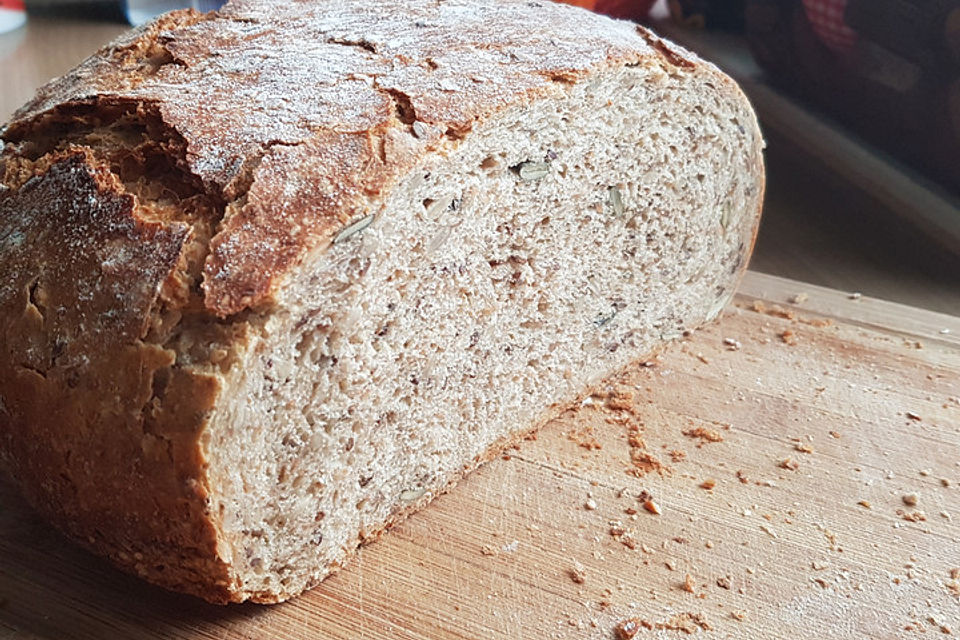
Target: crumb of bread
704,435
803,448
955,573
689,585
577,573
590,504
912,516
742,476
488,550
732,345
865,504
798,298
788,463
910,499
651,506
723,582
789,337
708,484
627,629
738,615
944,482
913,416
677,455
834,434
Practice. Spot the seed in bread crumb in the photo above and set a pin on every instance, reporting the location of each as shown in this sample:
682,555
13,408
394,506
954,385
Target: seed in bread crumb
708,484
627,629
688,584
787,463
803,448
910,499
835,434
865,504
652,507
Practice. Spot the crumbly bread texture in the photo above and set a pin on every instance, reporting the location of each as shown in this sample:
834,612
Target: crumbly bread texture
273,278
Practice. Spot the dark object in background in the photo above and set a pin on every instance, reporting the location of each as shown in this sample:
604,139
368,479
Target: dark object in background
627,9
888,69
713,14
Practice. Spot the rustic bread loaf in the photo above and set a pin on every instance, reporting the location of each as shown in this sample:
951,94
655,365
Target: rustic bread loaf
275,277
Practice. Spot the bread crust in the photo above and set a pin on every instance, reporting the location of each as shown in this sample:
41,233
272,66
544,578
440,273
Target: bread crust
298,119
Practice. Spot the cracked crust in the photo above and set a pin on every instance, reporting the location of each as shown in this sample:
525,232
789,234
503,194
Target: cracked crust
276,125
248,85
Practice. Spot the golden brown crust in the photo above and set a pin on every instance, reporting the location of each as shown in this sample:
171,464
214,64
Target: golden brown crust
248,85
297,119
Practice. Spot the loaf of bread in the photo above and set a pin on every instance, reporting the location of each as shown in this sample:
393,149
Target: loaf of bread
275,277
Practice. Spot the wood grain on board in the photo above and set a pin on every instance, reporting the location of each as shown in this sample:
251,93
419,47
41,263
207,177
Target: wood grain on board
812,438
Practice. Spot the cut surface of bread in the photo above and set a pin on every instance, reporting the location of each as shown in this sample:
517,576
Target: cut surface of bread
225,378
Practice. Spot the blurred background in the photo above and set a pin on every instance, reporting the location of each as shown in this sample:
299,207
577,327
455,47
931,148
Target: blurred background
859,101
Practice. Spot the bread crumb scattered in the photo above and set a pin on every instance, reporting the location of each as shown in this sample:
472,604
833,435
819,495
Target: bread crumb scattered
723,582
910,499
955,573
590,504
913,416
913,516
688,584
742,477
677,455
738,615
704,435
789,337
856,295
834,434
708,484
944,482
865,504
803,448
732,345
488,550
702,358
789,464
797,298
577,573
652,507
627,629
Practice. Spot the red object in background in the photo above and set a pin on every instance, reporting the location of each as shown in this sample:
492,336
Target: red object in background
629,9
13,5
826,19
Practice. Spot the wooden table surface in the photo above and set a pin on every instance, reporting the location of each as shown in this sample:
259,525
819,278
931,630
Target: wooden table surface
825,415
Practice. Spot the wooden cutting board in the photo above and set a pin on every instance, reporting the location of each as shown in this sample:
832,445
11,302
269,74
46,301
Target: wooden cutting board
814,421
